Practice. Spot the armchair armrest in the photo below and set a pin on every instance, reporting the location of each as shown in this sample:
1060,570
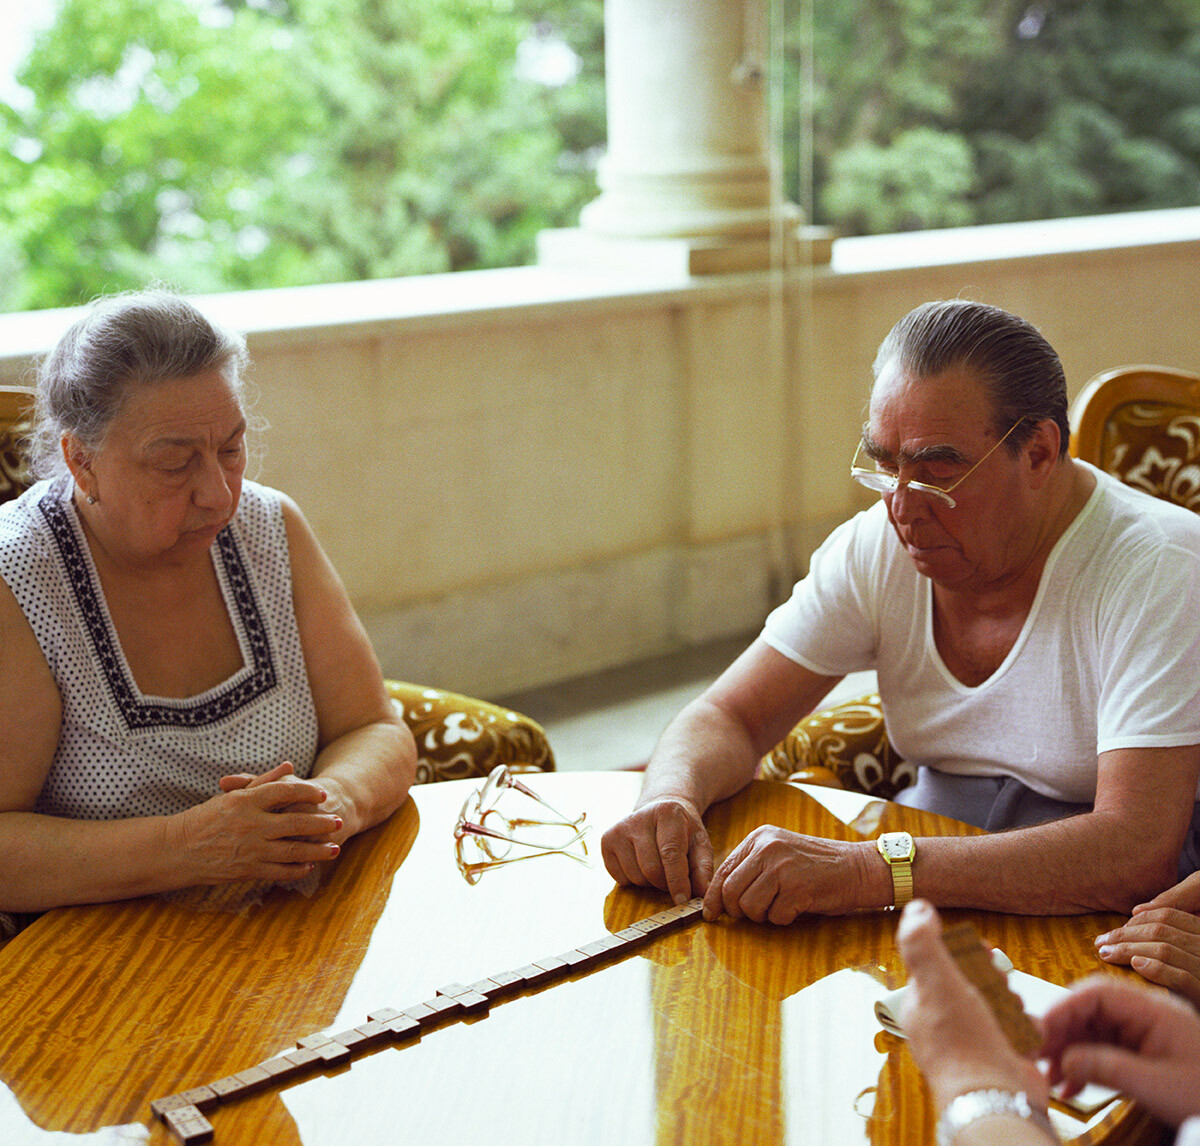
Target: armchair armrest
845,746
459,737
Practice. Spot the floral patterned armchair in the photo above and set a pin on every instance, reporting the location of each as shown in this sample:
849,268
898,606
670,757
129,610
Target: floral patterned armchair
844,746
459,736
1139,423
15,406
1142,424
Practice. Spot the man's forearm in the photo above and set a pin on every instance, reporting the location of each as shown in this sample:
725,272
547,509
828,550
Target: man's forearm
1092,862
705,755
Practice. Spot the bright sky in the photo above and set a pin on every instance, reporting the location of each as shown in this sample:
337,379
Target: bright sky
18,23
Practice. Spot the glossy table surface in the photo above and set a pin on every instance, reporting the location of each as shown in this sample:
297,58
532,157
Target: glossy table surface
725,1032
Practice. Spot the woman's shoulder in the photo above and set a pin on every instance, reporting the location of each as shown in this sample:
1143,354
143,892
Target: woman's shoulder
260,508
255,495
269,524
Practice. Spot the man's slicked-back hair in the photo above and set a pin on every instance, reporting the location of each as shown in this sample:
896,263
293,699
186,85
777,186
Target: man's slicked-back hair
1018,366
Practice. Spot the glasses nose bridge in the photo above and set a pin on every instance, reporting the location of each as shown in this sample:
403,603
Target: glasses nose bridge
908,504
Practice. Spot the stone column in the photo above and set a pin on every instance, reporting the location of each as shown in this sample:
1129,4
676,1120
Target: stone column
687,178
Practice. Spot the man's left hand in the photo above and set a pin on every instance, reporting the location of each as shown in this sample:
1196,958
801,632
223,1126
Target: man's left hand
775,875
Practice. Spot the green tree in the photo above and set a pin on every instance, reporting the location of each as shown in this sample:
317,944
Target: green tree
246,145
944,112
1088,107
143,153
888,152
435,155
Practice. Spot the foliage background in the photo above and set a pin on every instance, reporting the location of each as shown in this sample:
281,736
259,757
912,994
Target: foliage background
220,145
941,113
226,144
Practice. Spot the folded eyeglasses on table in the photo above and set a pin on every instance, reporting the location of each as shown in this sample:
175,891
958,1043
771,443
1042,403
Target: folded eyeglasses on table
482,824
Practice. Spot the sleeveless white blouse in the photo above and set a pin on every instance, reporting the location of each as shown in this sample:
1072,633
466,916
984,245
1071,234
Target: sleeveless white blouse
121,753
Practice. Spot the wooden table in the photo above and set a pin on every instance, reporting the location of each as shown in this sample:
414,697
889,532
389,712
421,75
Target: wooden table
719,1033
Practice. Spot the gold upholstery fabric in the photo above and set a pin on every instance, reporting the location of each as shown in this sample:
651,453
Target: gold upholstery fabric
845,746
15,478
1155,447
459,737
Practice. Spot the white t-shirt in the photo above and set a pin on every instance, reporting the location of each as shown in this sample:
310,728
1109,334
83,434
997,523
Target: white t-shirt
1109,656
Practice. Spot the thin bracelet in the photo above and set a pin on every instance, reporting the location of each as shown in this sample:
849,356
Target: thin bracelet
976,1104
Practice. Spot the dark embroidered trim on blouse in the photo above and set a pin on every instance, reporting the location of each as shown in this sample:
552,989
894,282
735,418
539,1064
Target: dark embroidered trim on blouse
147,714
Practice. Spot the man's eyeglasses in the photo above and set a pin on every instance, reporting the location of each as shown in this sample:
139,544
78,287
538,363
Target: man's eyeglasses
889,483
496,833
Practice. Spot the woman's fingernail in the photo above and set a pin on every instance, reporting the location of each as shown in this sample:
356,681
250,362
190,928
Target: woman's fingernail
1102,938
1106,952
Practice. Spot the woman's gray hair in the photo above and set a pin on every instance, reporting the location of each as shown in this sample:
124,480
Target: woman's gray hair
1018,366
124,341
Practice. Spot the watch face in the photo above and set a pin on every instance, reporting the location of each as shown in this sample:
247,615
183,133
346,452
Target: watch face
897,846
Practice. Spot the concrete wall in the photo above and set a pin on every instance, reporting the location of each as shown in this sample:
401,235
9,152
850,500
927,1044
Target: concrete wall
526,475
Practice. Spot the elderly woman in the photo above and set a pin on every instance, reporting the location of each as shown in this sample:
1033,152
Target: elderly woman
189,698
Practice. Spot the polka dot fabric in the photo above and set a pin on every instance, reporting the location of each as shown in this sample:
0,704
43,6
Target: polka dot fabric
121,753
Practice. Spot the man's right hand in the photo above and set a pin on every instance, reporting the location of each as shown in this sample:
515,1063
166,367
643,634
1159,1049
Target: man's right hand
662,843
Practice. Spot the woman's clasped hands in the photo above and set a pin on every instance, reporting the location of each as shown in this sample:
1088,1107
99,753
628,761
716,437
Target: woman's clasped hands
269,827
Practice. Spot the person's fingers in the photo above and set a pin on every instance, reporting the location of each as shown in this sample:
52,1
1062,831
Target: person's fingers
700,857
281,770
298,850
753,889
655,847
1184,895
303,825
781,912
1100,1063
1097,1009
1165,923
647,860
617,850
714,897
236,781
919,937
1183,981
279,794
1163,946
282,872
1174,949
737,881
674,850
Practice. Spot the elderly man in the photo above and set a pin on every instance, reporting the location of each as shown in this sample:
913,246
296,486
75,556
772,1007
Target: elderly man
1035,626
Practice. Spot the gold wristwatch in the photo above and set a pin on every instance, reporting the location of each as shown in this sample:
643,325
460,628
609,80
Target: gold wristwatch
899,850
